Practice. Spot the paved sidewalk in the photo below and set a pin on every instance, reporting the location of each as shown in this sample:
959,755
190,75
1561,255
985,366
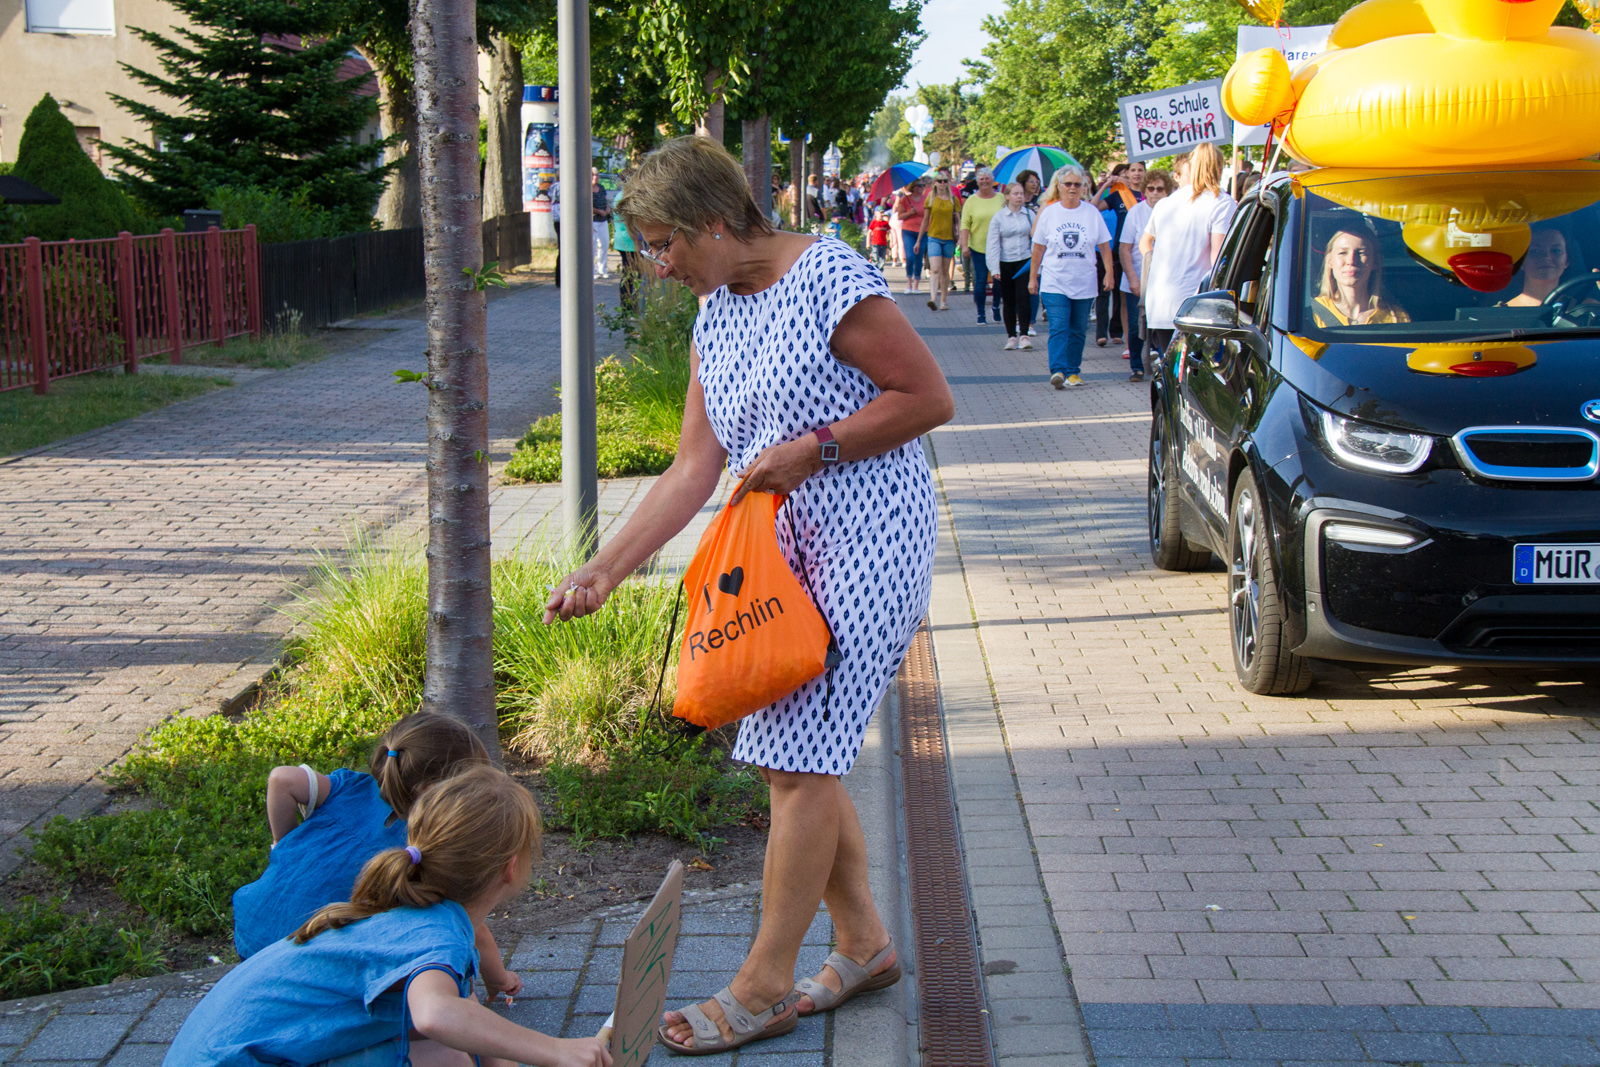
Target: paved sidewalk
143,563
1397,867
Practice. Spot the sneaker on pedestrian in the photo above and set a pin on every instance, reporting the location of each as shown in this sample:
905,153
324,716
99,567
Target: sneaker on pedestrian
1136,376
1074,380
931,305
981,320
1025,343
1011,344
1058,380
1126,354
1032,332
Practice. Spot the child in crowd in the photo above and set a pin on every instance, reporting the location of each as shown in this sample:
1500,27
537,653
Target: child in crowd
346,818
355,982
878,239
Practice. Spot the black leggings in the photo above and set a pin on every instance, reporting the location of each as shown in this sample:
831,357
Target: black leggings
1013,282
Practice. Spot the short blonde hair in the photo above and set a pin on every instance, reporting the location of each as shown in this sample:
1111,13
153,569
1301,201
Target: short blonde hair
690,183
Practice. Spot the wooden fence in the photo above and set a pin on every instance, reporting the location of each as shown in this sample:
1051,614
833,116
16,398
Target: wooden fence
328,279
71,307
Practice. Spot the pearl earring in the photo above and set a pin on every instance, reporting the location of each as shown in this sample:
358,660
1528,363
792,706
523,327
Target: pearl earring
716,237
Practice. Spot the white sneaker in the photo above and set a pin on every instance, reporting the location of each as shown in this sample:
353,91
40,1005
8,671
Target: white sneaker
1032,332
1025,343
1058,380
1011,343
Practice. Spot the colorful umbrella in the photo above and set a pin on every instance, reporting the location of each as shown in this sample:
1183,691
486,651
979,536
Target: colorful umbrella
896,177
1041,159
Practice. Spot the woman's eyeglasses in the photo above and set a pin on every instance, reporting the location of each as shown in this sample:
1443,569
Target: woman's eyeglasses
1072,185
655,255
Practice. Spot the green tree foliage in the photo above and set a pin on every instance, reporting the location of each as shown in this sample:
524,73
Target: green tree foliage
1054,69
50,157
858,54
1199,38
252,112
700,47
276,217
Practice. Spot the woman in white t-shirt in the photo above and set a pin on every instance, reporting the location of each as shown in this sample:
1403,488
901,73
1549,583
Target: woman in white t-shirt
1065,240
1156,185
1182,239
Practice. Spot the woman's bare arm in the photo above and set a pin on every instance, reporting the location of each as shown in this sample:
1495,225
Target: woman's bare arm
672,502
875,338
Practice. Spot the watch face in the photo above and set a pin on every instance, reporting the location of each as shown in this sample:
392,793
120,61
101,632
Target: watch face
830,452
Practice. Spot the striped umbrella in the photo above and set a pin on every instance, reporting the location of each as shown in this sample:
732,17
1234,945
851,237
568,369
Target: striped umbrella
1041,159
896,177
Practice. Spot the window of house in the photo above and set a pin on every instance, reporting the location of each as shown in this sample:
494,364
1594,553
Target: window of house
89,141
71,16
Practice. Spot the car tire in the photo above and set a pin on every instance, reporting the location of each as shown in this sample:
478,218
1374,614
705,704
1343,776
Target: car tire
1170,550
1255,606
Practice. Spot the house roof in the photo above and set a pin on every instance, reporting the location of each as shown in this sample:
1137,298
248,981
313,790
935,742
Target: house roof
354,66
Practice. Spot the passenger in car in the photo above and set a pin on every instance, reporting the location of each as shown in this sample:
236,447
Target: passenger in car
1352,284
1542,269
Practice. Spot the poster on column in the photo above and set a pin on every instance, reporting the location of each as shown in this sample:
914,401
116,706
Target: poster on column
1167,122
1297,43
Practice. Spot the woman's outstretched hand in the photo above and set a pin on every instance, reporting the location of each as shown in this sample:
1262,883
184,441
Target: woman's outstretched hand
578,594
781,468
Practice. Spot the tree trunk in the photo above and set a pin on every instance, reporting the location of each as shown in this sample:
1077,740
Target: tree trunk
400,206
502,172
460,657
816,167
757,137
797,176
711,124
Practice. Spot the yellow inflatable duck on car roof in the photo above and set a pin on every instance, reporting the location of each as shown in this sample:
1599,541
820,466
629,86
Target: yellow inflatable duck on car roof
1431,83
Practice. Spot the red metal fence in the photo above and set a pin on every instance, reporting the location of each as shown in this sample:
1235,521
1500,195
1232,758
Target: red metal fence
70,307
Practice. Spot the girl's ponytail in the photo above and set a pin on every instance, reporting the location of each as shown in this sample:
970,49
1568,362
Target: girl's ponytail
418,751
462,833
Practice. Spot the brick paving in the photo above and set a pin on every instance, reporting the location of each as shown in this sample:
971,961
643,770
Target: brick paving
1400,861
141,565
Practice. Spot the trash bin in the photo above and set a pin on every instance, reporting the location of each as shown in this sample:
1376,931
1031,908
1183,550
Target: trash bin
199,220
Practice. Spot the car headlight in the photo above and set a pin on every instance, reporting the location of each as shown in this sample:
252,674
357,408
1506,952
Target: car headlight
1374,448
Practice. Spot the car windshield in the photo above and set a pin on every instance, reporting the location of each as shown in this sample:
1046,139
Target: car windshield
1450,255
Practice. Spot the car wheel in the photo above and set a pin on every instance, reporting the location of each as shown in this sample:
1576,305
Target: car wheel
1168,548
1255,608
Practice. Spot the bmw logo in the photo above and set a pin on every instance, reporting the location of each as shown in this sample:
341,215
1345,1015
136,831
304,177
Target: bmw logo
1590,410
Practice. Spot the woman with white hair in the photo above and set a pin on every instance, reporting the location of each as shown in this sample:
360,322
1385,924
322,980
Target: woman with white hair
976,213
1065,240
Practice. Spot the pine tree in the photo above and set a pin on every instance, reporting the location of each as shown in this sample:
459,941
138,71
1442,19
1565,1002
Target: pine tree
255,112
50,157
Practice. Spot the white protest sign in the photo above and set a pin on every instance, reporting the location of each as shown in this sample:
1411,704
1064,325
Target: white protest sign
1170,121
1297,43
646,966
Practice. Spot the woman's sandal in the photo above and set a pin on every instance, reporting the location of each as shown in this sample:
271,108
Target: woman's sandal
853,979
747,1025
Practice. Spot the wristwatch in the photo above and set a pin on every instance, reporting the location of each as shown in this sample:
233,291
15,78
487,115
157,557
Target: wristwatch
830,447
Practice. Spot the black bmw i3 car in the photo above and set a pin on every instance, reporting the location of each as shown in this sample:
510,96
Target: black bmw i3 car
1384,417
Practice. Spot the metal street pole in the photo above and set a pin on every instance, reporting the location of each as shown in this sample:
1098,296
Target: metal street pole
580,488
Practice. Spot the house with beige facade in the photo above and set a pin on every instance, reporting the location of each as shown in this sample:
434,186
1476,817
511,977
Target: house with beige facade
73,50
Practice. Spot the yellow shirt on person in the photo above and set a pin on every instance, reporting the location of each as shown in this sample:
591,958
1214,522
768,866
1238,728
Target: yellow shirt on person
941,218
1326,315
975,216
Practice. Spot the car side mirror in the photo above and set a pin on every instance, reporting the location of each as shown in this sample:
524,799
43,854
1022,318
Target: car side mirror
1212,313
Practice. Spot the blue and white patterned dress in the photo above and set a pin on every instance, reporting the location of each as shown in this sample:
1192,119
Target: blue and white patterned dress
867,529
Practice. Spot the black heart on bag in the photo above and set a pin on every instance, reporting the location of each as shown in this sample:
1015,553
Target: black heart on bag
731,582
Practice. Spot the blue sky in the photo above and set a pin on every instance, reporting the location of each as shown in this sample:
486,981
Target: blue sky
954,34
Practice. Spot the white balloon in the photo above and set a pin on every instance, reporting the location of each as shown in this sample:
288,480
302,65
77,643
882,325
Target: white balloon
933,159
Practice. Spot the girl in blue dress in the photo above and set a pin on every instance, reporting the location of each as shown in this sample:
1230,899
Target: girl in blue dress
325,827
387,977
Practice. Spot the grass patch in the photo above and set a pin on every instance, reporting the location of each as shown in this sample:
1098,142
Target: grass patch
43,950
283,344
582,690
639,400
88,402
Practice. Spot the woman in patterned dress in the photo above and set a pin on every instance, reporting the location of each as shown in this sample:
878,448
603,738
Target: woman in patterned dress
797,344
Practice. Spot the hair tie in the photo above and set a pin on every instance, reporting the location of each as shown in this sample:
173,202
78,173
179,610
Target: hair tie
394,753
415,853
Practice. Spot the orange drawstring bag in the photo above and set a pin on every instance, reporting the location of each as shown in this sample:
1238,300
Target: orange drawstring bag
753,635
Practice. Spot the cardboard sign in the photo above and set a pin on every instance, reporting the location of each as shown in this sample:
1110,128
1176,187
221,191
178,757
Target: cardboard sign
1168,122
1297,43
646,966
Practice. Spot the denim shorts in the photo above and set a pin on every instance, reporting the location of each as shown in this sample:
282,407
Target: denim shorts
934,246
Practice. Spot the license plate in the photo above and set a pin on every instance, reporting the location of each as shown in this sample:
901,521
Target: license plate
1556,565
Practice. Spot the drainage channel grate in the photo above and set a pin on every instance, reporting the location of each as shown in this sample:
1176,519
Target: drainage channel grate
954,1027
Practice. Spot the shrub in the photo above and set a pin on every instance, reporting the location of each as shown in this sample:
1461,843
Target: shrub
277,217
50,157
43,949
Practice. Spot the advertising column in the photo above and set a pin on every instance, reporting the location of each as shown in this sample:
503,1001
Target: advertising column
540,153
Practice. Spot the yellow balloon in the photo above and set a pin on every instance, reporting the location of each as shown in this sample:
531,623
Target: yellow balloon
1258,90
1268,11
